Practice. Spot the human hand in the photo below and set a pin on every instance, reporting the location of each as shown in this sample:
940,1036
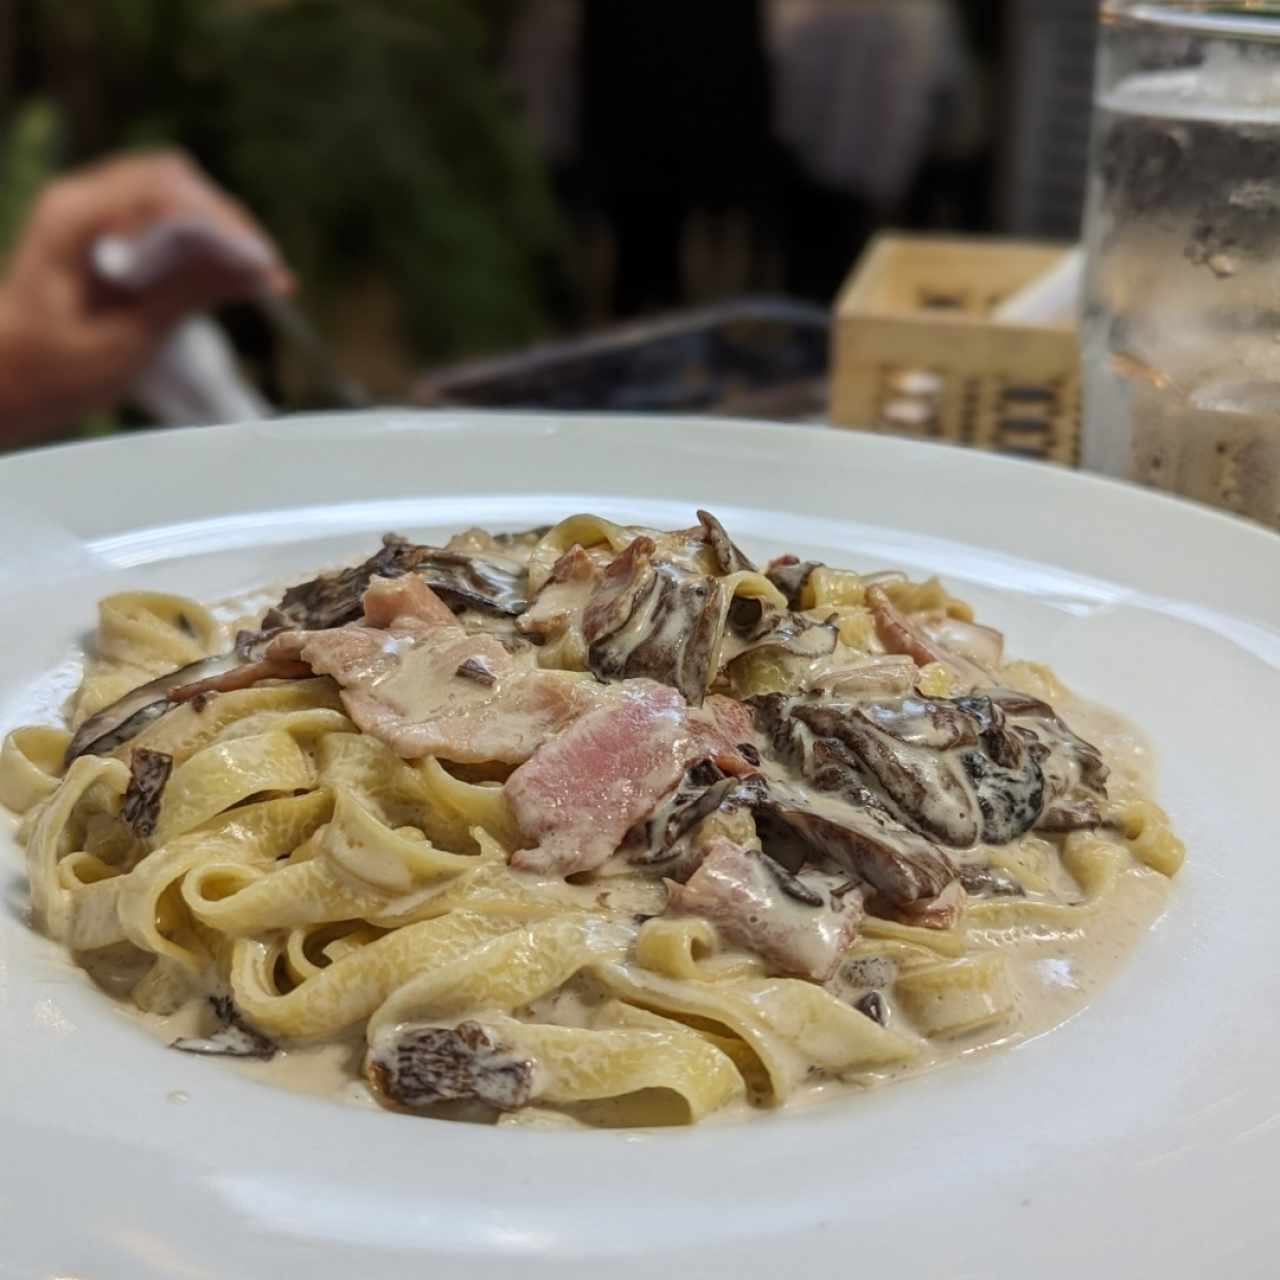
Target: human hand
70,343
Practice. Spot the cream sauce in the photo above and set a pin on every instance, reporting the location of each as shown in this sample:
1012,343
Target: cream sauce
1054,972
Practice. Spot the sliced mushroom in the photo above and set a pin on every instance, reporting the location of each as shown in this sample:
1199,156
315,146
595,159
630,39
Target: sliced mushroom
755,626
728,555
704,790
418,1067
873,1005
498,584
901,865
478,670
789,575
129,715
986,881
235,1038
148,774
952,770
648,619
1074,772
242,676
335,598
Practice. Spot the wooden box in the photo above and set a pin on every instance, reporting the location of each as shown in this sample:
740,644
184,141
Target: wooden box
915,352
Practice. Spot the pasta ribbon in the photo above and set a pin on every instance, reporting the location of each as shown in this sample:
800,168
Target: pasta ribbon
141,635
585,1064
305,874
1145,827
367,851
58,828
504,973
30,762
152,910
789,1024
352,987
227,773
617,1013
961,996
194,725
586,531
686,947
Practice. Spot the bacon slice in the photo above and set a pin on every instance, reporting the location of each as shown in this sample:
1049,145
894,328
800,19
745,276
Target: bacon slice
900,634
584,790
727,734
241,677
399,675
798,923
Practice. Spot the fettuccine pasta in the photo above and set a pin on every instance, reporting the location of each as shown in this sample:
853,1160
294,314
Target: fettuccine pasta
592,824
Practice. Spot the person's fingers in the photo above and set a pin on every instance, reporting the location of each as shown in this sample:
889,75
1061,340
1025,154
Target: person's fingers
126,194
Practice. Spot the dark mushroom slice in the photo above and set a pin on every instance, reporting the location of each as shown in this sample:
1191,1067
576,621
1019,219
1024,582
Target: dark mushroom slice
129,715
333,599
464,580
873,1005
949,769
873,972
234,1039
148,774
703,790
789,575
478,670
242,676
649,619
419,1067
1074,771
986,881
755,625
903,867
728,556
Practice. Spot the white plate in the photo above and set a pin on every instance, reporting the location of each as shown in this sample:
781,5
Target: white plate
1141,1138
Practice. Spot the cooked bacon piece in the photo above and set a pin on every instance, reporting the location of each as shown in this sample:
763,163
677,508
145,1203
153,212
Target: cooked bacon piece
408,601
563,597
798,923
399,676
242,677
584,790
725,729
940,912
899,634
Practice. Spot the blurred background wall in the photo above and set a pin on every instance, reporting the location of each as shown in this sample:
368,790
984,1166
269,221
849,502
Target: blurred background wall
451,178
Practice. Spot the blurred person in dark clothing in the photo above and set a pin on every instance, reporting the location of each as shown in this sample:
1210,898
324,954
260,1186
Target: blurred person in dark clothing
675,118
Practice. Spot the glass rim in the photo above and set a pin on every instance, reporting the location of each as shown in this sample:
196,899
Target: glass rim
1228,19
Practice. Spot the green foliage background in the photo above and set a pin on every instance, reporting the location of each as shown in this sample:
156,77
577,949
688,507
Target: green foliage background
370,136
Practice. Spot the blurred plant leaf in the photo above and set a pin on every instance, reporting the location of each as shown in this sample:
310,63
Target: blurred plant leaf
368,137
30,158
